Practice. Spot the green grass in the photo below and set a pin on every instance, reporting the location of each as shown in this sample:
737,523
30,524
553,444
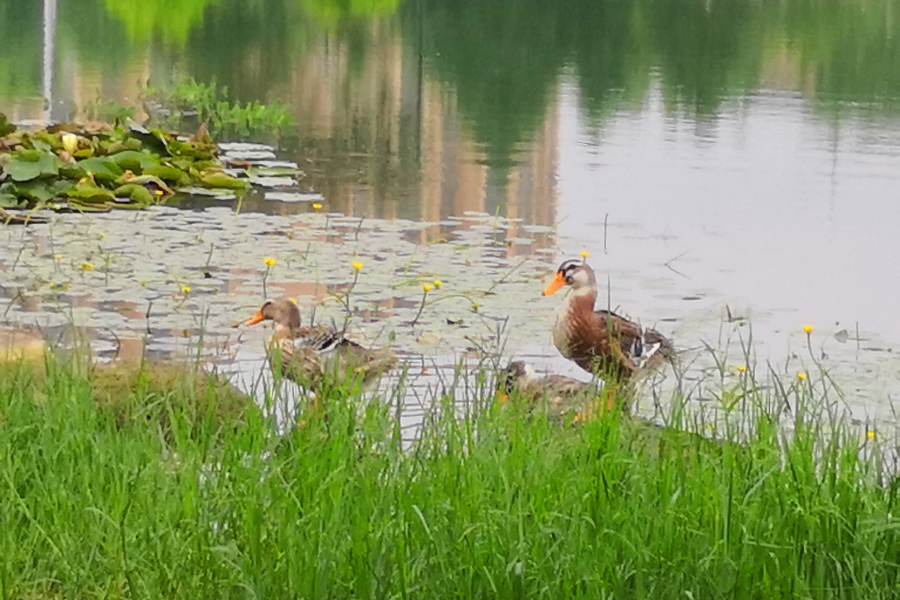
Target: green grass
223,117
499,504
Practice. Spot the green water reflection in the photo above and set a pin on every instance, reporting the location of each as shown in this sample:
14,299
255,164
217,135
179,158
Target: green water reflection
20,53
497,65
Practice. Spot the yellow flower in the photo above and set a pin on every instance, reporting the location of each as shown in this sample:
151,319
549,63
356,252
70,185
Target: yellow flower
741,369
57,257
426,287
870,434
317,206
585,254
186,289
270,262
70,142
143,283
807,329
86,266
437,284
357,266
801,375
101,235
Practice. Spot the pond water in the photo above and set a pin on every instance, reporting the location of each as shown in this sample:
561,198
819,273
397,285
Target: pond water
729,165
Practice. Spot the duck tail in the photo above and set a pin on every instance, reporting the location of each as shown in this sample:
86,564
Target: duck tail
665,348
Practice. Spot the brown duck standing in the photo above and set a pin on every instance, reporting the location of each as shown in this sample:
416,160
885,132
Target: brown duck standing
312,356
601,341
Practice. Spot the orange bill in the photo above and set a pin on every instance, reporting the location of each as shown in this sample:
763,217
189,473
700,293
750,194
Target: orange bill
257,318
554,286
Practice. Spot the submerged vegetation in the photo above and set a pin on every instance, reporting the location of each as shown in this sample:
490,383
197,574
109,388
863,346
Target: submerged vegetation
498,503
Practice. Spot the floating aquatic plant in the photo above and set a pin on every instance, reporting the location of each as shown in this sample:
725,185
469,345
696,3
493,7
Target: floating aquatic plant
99,168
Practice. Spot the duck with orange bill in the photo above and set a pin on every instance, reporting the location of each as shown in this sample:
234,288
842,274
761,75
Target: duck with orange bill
314,355
600,341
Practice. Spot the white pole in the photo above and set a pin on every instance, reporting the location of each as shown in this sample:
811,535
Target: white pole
47,64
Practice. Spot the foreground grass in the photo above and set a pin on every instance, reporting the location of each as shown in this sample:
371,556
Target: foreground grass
498,505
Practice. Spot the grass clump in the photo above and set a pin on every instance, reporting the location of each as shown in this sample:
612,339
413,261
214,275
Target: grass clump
136,391
208,103
162,394
495,505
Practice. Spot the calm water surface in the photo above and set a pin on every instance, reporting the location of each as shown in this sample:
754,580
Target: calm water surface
736,158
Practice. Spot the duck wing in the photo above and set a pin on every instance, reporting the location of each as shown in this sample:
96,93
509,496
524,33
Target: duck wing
317,353
631,345
320,339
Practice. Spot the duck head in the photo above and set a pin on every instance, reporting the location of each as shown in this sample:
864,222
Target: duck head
575,273
514,375
283,312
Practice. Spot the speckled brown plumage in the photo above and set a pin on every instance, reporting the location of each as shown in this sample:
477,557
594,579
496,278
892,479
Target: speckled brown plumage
312,356
559,395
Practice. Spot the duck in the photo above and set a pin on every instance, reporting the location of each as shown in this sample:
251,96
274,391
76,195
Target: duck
600,341
315,356
561,395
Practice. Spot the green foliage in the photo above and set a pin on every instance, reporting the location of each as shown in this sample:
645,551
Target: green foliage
102,168
26,165
20,52
171,20
108,112
222,117
335,12
6,127
171,503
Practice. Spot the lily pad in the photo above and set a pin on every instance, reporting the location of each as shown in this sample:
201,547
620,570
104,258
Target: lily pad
222,180
89,192
42,145
135,192
154,139
104,168
9,199
21,167
168,173
153,184
41,190
135,161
